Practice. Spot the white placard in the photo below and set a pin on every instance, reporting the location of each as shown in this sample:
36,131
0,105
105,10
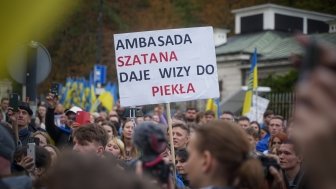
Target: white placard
258,109
166,66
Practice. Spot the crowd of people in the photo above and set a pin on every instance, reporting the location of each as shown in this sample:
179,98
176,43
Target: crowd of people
116,150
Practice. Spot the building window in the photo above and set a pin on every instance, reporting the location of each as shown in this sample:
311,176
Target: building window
252,23
315,26
288,23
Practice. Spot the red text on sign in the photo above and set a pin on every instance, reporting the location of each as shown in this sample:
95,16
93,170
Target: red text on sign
173,89
146,58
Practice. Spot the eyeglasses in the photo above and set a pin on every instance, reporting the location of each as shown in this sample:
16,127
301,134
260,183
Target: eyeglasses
276,143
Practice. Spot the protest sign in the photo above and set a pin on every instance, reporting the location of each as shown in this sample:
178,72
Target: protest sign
166,66
258,109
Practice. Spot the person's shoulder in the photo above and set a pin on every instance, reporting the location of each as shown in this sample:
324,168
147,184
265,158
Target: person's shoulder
18,182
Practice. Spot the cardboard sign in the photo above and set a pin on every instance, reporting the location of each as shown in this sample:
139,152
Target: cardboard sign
166,66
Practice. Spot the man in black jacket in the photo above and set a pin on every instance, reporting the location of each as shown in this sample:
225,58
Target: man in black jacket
61,135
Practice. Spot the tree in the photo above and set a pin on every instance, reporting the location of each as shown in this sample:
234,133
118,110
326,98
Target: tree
285,83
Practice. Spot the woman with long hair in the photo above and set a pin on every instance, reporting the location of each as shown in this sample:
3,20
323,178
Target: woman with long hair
126,137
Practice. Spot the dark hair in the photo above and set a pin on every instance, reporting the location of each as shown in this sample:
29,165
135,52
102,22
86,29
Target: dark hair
112,125
91,133
228,112
279,117
43,158
243,118
183,154
191,108
252,132
4,98
220,136
268,112
296,148
58,152
209,112
256,122
199,116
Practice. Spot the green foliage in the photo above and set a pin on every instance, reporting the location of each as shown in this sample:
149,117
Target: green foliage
279,84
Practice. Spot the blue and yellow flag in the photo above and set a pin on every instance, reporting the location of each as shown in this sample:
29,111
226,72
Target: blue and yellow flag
109,96
213,104
252,84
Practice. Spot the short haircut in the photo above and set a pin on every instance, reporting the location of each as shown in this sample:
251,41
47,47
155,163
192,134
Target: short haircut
252,132
228,112
243,118
191,108
183,154
278,117
268,112
296,148
4,98
182,126
91,133
209,112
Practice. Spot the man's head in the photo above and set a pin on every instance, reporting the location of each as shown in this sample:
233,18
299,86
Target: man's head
4,103
227,116
7,148
209,115
180,135
276,125
253,137
289,156
42,110
190,114
90,139
244,122
24,115
267,116
71,116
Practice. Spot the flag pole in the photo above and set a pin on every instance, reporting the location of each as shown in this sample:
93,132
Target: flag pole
170,126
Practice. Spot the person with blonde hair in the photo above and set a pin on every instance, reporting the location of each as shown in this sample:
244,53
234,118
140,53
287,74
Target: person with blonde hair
116,147
44,138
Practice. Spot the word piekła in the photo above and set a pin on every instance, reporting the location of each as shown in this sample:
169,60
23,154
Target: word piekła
173,89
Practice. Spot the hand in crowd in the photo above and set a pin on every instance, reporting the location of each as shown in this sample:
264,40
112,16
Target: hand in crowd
52,100
278,181
27,163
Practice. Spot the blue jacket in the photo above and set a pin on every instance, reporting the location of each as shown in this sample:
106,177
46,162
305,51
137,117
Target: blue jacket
262,145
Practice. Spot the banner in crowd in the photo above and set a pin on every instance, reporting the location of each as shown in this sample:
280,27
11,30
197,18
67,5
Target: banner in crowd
166,66
259,106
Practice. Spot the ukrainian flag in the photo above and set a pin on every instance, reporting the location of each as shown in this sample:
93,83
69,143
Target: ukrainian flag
213,104
252,84
109,96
